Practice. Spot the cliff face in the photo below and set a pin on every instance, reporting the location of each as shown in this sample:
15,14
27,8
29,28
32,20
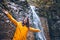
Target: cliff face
6,28
49,9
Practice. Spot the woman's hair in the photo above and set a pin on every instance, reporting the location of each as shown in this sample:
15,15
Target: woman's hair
27,23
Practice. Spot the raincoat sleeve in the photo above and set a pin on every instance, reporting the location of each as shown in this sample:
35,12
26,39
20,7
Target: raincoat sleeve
33,29
12,19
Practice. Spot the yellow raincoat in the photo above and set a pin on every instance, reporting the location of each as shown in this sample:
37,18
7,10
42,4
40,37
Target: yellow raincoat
21,32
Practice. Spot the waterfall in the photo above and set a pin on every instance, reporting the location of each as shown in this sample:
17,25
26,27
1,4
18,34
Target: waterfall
37,24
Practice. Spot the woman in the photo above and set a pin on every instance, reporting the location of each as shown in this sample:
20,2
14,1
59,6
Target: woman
22,28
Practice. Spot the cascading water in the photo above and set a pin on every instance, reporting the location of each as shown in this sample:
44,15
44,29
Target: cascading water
37,24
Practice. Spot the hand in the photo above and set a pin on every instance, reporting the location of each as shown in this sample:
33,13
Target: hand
6,12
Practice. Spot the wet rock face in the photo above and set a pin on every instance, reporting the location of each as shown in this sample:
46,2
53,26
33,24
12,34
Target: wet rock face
18,10
55,31
30,36
6,28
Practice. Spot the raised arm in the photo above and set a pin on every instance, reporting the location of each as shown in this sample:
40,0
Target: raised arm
10,17
33,29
